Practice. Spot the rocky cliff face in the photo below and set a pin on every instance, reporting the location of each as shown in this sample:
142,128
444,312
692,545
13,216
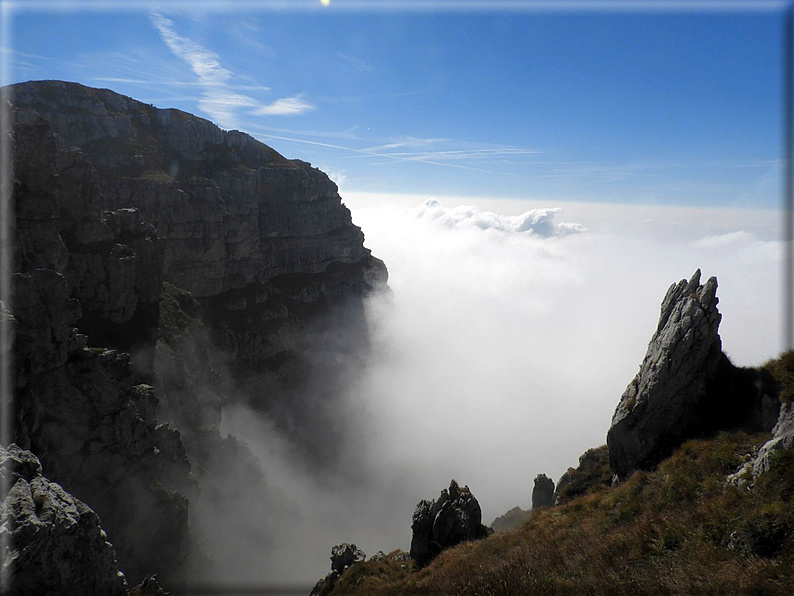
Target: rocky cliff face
85,410
113,198
686,386
233,211
256,235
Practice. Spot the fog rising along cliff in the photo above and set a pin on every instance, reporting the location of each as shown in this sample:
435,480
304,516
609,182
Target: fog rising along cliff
164,267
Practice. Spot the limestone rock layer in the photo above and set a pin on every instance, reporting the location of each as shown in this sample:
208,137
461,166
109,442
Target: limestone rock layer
686,387
232,209
56,544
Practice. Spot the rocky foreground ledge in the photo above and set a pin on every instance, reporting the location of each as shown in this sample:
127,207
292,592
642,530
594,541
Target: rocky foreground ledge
57,545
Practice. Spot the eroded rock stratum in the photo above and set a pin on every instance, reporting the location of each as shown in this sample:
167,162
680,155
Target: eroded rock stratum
686,387
119,384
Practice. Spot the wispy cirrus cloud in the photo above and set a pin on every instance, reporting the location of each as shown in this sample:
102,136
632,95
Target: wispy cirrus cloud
355,63
217,100
21,60
349,134
172,83
406,142
286,106
378,157
220,99
460,154
244,34
449,150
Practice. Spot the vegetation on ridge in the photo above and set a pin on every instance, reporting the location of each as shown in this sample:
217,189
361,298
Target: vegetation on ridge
782,371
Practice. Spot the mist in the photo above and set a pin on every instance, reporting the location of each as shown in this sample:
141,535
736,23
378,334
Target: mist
512,330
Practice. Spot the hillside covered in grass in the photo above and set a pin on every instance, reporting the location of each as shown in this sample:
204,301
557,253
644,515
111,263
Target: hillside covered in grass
689,525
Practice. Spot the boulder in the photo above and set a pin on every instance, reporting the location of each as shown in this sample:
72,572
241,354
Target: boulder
344,555
686,387
782,438
149,587
452,519
542,492
56,543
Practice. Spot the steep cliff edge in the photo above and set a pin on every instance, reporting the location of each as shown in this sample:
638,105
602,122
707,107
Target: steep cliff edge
263,242
262,268
85,411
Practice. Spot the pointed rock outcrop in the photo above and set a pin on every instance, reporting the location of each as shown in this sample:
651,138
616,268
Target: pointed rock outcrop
686,386
543,492
455,517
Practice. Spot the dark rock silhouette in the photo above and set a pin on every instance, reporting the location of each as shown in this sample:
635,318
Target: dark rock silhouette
593,470
542,492
452,519
344,555
510,520
56,543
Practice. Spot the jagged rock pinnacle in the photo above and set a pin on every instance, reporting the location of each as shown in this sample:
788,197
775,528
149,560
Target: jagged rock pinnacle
662,404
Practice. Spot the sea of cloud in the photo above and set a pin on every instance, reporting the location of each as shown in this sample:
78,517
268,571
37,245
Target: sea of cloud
512,330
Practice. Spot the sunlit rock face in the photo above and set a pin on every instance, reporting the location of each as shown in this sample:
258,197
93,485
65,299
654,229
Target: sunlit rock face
56,544
686,386
782,438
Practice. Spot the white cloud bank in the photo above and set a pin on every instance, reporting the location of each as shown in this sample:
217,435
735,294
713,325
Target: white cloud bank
509,341
534,221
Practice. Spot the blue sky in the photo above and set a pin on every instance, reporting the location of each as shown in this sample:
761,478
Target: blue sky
628,107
